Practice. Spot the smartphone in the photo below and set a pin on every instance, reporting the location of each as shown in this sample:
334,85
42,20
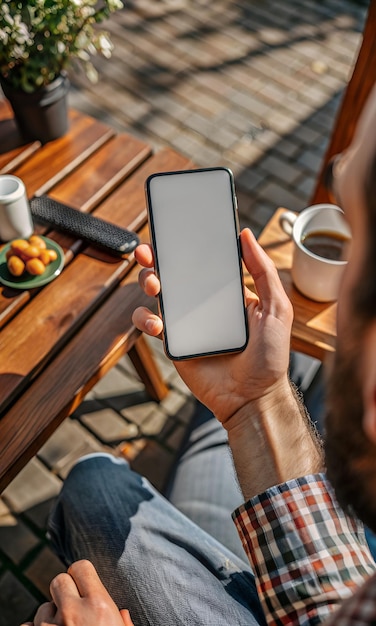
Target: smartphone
195,237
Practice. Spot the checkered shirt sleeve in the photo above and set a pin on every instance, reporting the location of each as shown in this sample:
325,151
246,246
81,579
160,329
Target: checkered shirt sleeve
306,554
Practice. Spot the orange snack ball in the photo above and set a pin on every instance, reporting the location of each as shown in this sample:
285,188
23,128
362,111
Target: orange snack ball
18,246
45,257
15,265
37,241
53,255
35,267
31,252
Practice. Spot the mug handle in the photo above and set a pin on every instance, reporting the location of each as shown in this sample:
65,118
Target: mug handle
287,221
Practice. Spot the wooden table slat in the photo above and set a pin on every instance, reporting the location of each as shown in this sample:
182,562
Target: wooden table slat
101,173
13,159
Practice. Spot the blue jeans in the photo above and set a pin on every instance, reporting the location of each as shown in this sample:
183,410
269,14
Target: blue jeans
153,559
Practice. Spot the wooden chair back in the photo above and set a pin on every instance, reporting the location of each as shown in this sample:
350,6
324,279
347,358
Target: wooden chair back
360,85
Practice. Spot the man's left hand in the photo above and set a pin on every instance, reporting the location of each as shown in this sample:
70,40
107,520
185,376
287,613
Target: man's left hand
80,599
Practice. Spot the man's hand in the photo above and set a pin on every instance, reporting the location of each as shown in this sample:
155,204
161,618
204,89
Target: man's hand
80,599
225,383
249,392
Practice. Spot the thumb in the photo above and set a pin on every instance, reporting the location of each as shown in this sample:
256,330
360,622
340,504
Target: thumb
255,258
262,269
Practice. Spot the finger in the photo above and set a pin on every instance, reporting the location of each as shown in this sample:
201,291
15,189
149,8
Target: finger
149,282
45,614
86,578
126,617
61,587
261,267
144,255
147,322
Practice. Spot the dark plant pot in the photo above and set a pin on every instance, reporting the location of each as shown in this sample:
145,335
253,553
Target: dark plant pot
41,115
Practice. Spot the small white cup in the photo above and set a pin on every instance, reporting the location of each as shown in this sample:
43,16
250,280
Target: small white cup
313,273
15,215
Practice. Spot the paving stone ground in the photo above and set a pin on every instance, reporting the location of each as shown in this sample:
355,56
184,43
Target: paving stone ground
246,84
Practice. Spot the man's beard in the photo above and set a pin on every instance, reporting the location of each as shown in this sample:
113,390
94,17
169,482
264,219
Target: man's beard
350,456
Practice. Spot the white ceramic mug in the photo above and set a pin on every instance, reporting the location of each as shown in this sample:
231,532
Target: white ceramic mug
15,215
319,234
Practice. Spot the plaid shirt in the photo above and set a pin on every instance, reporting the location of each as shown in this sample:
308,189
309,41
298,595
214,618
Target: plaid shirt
307,555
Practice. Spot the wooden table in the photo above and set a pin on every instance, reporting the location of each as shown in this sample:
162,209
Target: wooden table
58,341
314,325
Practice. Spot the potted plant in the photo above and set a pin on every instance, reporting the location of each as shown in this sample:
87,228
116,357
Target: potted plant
39,40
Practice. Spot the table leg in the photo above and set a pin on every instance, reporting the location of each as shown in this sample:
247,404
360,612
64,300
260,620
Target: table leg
147,369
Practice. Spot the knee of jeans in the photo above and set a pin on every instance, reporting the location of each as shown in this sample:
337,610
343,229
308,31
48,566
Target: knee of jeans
101,458
94,469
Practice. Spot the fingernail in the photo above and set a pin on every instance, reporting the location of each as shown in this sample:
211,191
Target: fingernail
150,326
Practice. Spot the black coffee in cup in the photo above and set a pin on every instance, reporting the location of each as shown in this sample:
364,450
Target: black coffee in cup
327,244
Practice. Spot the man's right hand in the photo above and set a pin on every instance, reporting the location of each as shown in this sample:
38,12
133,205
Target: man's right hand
249,392
225,383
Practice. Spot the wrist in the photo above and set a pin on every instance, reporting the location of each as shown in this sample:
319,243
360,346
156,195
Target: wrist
272,440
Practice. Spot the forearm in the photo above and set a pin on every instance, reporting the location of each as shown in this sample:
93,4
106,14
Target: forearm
272,441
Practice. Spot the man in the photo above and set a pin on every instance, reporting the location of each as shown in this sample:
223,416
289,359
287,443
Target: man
307,555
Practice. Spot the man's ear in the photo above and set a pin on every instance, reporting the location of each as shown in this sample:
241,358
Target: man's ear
369,383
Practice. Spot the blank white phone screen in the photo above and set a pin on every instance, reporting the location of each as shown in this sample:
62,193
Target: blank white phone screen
196,245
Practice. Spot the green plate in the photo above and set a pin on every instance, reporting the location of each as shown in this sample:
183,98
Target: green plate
27,281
